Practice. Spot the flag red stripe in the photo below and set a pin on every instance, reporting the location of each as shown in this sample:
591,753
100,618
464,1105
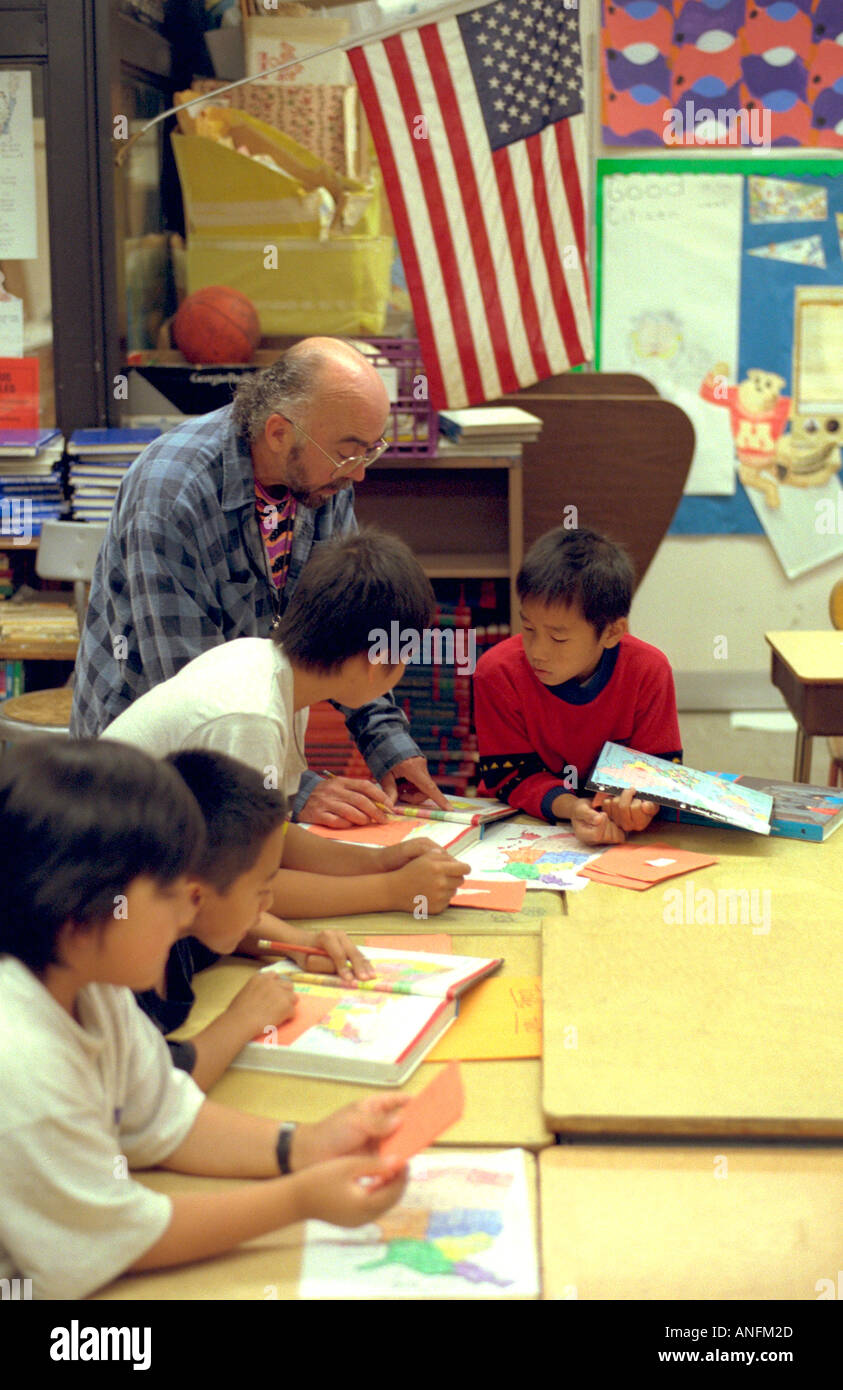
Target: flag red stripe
472,205
573,193
520,261
403,229
556,276
432,189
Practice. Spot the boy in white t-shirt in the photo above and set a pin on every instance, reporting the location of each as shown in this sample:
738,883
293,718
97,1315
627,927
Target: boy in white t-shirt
96,842
250,698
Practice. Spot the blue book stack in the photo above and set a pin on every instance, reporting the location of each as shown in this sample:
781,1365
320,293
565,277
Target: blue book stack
99,461
30,482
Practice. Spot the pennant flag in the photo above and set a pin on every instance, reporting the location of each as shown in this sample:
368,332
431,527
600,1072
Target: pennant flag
479,128
806,250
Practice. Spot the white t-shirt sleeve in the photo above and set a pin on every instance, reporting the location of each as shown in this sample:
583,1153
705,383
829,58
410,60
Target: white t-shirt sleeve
72,1217
255,739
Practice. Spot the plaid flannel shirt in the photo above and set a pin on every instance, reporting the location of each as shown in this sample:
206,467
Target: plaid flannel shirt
183,567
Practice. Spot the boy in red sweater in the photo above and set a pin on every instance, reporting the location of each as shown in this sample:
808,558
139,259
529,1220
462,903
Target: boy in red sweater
546,702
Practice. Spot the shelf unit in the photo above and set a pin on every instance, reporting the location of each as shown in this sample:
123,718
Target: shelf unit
463,515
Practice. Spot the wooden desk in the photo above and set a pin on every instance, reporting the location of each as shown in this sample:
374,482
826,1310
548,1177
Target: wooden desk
731,1026
456,921
648,1222
264,1269
503,1099
807,667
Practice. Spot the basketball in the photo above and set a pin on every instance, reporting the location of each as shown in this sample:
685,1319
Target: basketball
217,325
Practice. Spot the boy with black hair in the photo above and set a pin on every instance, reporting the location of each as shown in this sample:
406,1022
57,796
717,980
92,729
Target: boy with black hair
96,844
546,701
245,823
250,698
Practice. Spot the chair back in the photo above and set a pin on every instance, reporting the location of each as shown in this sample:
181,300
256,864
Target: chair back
67,551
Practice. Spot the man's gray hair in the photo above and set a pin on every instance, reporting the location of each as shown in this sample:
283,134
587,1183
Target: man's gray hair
288,385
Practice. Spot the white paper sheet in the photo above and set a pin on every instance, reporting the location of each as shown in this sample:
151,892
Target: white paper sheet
670,297
18,231
463,1229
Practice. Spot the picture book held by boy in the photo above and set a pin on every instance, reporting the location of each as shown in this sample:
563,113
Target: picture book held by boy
463,1229
683,788
373,1031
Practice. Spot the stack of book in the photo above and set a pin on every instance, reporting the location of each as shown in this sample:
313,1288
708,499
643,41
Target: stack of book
435,692
38,627
99,460
7,579
11,679
489,427
30,481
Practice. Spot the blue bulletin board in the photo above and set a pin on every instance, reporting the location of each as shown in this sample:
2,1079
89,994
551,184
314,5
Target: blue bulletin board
792,213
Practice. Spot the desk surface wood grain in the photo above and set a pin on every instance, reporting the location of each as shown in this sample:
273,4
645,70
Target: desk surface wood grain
709,1004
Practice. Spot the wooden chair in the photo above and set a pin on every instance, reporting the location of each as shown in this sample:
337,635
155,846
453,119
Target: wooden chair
67,551
835,745
611,447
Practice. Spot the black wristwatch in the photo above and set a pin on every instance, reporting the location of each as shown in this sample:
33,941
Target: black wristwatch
282,1148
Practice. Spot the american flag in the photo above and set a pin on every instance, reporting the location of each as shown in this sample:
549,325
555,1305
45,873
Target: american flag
478,126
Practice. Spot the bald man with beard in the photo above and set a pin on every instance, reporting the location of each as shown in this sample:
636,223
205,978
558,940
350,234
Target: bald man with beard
211,529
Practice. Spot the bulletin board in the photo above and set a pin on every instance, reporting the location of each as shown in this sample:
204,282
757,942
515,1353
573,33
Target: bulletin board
721,280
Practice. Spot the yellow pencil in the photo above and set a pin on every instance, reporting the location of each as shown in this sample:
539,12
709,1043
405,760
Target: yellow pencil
380,805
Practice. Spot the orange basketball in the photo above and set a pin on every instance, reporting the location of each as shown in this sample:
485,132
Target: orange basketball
217,325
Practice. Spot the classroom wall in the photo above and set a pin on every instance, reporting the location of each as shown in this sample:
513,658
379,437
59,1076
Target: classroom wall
701,587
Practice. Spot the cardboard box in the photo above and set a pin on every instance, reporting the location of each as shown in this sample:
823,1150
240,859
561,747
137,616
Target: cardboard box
338,286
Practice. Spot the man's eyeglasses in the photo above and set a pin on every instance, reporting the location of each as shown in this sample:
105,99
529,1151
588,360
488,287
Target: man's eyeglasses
354,461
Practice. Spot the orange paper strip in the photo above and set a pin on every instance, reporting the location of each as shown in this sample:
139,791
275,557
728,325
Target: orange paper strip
392,833
438,943
497,1018
427,1116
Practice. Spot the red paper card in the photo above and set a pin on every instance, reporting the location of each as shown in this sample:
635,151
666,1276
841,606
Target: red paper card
310,1008
427,1116
486,893
640,866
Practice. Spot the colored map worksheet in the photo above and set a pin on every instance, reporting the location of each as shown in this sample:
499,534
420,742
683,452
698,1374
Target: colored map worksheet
463,1229
542,856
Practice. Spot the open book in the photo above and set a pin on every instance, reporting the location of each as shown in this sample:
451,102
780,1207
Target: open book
374,1031
465,810
672,784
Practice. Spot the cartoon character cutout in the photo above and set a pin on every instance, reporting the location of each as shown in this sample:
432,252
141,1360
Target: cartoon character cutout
807,454
758,414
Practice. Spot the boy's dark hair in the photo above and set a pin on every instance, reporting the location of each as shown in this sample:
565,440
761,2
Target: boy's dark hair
240,812
579,567
79,822
350,586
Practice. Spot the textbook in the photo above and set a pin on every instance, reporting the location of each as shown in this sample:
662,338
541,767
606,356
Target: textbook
490,421
375,1031
683,788
26,443
465,810
800,811
123,443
